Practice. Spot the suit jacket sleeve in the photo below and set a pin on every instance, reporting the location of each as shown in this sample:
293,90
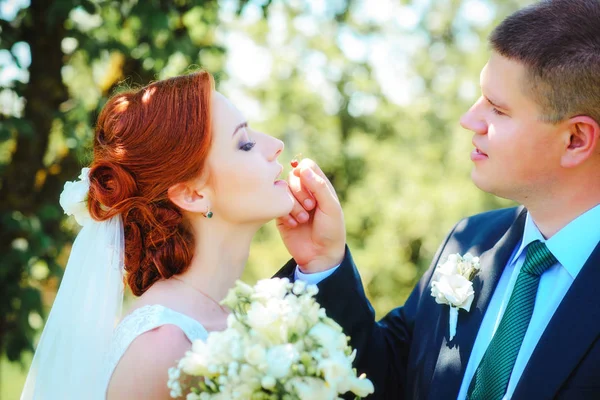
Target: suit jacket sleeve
382,347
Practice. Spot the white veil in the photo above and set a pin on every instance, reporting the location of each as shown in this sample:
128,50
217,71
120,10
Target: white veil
69,360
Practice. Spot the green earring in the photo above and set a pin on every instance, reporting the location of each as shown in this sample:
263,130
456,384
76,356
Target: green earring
209,214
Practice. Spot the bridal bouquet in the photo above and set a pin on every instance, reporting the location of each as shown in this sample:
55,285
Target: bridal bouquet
279,344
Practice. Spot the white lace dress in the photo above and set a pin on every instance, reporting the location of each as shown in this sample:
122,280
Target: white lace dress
143,320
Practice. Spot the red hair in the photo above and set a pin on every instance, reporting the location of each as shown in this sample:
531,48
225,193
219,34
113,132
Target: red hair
146,141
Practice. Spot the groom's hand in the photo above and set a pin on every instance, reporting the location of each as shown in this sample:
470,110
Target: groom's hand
314,232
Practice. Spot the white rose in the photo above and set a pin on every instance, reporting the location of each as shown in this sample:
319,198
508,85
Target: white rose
336,369
271,288
328,337
308,388
454,290
265,319
255,355
73,198
450,267
280,359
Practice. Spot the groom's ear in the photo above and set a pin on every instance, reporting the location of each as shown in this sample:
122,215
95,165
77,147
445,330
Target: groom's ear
582,141
189,196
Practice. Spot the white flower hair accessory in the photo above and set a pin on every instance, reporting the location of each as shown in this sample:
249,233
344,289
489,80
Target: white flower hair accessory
452,284
73,198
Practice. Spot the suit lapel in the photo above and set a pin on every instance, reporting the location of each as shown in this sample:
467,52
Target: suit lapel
454,356
572,330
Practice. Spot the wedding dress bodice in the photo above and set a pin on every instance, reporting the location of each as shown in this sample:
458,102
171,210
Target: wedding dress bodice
141,321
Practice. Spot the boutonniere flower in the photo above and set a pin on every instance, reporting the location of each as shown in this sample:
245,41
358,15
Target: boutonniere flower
452,284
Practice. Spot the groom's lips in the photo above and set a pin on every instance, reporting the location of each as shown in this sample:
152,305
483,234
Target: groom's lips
477,154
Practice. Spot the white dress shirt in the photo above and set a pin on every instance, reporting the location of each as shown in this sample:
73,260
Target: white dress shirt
571,246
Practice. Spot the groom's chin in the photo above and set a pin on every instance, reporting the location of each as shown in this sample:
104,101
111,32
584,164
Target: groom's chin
482,182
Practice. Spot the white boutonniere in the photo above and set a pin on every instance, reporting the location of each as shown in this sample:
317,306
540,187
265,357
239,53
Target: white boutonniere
452,284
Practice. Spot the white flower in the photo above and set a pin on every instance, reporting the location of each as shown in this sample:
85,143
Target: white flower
336,369
277,338
174,373
274,288
450,267
73,198
280,359
452,285
299,287
197,360
255,355
328,337
468,258
244,391
308,388
311,313
264,319
312,290
268,382
454,290
247,373
361,386
233,369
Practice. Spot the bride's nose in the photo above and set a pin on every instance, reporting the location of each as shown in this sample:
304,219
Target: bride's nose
275,148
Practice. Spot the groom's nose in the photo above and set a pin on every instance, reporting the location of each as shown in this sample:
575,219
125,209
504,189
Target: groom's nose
473,119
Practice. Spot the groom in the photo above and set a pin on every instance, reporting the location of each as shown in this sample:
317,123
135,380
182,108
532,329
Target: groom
533,329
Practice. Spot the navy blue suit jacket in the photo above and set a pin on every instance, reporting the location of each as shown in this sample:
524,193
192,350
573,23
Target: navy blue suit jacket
407,354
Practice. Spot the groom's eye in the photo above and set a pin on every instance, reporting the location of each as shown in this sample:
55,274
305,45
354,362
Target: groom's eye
497,112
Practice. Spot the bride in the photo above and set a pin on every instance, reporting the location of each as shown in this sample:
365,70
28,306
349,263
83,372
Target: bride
178,186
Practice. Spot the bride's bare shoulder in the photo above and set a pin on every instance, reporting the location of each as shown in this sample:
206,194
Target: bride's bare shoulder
142,372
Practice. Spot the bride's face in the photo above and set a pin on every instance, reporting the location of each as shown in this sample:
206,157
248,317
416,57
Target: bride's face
244,171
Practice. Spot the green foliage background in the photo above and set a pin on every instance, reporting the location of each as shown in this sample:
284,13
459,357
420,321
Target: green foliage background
395,153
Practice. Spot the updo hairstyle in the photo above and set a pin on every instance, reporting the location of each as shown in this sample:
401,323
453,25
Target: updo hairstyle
146,141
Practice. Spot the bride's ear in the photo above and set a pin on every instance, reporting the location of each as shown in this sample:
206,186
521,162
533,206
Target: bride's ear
189,197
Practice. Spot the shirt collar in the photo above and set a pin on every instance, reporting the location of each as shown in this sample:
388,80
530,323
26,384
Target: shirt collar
572,245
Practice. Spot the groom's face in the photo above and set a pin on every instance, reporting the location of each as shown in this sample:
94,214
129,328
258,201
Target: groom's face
516,153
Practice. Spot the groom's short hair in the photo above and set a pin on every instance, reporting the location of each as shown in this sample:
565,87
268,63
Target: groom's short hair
558,42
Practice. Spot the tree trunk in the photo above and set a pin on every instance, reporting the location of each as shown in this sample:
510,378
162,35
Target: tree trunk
44,93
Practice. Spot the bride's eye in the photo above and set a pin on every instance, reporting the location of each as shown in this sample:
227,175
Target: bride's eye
248,146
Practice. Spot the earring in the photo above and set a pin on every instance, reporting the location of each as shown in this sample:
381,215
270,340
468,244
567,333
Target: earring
209,214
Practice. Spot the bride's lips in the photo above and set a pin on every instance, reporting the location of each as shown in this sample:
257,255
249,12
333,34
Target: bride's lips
279,181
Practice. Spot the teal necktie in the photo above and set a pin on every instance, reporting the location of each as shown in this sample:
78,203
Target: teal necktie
493,373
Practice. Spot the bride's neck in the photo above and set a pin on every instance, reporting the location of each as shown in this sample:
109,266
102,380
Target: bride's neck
220,255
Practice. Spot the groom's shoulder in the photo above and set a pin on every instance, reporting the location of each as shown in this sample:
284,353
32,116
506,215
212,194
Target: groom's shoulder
490,219
487,224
